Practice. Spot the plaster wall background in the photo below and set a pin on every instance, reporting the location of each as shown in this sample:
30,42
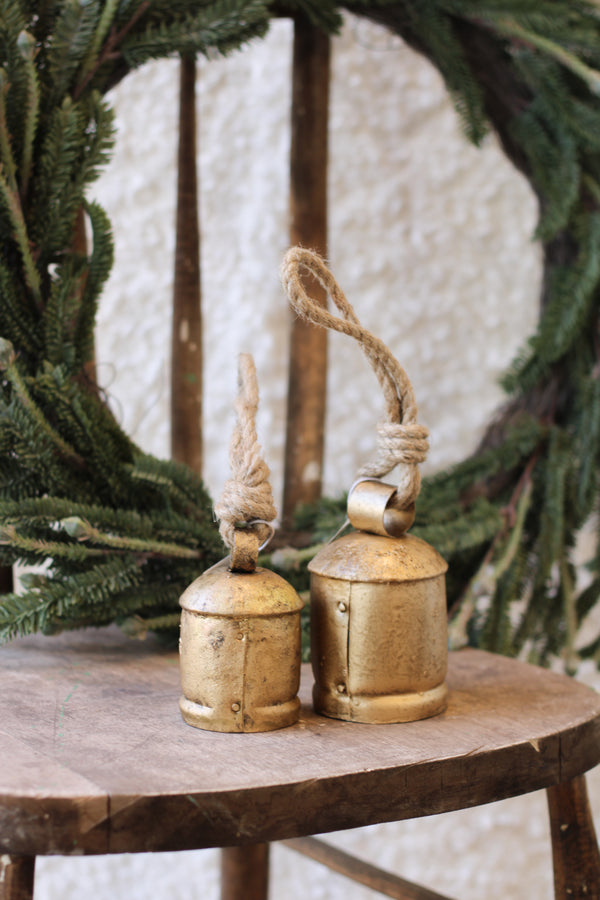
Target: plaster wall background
431,240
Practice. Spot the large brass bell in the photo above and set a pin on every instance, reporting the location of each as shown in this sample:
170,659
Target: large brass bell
240,646
378,597
378,617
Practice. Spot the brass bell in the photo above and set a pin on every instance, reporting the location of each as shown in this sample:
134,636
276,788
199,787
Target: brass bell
378,617
378,597
240,647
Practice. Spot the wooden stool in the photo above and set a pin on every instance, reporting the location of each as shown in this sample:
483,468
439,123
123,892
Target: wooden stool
96,759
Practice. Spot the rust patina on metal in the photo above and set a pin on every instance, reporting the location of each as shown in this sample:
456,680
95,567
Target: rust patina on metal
378,617
240,649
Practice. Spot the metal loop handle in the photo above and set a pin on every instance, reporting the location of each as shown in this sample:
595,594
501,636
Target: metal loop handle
371,508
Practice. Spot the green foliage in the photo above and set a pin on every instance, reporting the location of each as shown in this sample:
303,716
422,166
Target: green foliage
572,294
436,29
63,457
121,534
217,27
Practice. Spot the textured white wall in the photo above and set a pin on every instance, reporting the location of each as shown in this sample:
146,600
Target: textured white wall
431,240
429,237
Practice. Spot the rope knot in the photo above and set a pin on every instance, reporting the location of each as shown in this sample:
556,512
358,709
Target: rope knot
403,443
404,446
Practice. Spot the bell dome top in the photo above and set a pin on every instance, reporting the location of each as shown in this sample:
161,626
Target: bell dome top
360,556
221,592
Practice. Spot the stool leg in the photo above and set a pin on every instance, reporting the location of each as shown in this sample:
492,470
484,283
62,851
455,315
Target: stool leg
16,877
245,872
574,846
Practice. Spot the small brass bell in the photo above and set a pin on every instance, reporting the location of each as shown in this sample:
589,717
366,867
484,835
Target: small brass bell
240,626
240,650
378,617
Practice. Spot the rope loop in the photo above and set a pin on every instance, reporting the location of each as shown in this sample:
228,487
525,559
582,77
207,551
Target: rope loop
401,441
246,501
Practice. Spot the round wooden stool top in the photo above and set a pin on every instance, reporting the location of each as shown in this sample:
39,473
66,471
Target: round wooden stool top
95,757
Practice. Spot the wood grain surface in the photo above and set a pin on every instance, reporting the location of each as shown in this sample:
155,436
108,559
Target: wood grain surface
95,758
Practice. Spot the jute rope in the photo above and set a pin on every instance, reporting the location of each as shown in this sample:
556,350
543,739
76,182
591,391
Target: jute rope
247,495
401,441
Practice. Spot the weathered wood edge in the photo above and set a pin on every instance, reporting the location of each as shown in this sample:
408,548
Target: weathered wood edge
94,821
229,818
320,806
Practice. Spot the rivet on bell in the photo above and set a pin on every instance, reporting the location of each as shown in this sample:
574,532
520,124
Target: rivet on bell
341,688
342,607
236,707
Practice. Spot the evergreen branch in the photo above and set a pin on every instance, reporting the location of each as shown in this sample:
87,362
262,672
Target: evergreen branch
64,300
553,483
463,529
510,28
589,429
67,452
107,15
114,41
98,136
552,154
55,598
47,511
571,295
12,203
6,155
591,185
17,325
522,438
179,484
22,615
73,34
220,27
99,269
76,142
488,574
436,29
83,531
27,47
103,455
569,608
25,547
141,599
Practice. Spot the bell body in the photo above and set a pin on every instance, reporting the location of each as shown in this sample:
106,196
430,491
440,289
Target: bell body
240,652
379,629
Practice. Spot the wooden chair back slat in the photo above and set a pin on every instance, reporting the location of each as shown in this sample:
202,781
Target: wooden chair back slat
186,340
308,226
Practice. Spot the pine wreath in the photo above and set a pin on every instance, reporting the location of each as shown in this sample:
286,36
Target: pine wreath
124,533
